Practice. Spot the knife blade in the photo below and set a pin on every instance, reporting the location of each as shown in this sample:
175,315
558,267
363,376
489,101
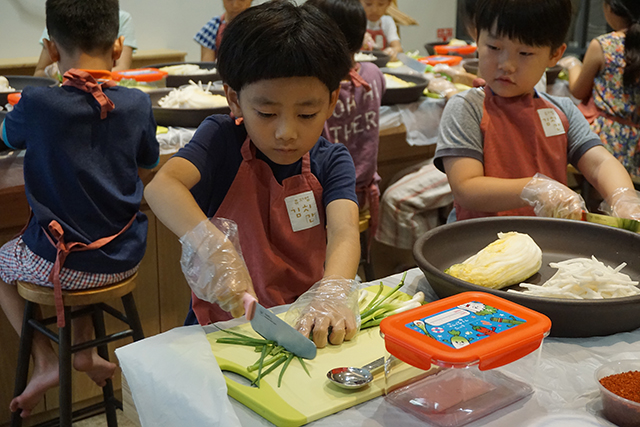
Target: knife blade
624,223
412,63
271,327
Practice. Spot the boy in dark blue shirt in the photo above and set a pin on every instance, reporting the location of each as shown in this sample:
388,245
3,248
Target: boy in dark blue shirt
84,142
290,191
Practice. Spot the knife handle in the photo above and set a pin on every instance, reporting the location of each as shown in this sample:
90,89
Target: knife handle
249,303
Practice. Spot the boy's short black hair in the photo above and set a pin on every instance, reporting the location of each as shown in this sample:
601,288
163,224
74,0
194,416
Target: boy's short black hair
278,39
532,22
350,17
88,25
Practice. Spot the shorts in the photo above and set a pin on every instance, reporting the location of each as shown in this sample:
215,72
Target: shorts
17,262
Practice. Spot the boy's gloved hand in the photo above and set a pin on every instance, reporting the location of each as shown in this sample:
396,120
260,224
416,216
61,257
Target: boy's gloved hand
329,309
213,267
552,199
368,43
568,62
623,203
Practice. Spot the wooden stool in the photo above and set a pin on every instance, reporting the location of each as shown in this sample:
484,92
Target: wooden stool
365,237
94,300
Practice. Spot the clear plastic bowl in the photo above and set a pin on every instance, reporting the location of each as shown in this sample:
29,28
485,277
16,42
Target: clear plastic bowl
620,411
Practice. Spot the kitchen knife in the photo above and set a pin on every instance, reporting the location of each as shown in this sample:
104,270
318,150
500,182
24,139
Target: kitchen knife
273,328
412,63
624,223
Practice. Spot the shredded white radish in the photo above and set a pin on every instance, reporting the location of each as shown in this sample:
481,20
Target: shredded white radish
186,70
584,278
364,57
192,96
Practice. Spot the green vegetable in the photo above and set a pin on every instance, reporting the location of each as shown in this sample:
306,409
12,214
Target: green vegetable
511,259
391,303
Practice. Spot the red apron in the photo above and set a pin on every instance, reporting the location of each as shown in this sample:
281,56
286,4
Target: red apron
221,28
516,144
283,263
379,38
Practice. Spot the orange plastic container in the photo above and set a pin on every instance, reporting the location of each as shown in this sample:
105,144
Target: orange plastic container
142,78
441,59
464,51
13,98
465,329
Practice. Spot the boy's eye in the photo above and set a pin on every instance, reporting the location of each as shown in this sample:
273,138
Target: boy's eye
526,53
265,115
492,47
308,116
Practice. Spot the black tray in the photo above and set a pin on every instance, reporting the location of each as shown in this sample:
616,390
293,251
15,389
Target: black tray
177,81
182,117
405,95
381,57
559,240
20,82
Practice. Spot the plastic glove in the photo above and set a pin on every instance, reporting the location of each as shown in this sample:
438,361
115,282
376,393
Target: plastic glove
329,309
623,203
552,199
392,53
568,62
213,265
368,43
442,87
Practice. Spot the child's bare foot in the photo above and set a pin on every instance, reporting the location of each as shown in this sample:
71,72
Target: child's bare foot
45,376
98,369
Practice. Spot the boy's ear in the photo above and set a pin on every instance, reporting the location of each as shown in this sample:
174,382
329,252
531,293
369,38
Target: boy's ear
555,56
52,49
118,45
333,100
233,100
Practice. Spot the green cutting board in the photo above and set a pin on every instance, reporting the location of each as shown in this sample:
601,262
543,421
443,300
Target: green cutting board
301,398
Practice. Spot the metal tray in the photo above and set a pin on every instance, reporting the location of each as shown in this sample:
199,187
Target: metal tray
182,117
405,95
20,82
177,81
559,240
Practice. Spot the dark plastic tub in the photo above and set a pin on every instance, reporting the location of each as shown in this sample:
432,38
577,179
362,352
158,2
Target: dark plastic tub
20,82
177,81
182,117
559,240
405,95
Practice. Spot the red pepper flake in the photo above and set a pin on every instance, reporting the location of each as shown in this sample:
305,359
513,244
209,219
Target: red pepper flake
625,384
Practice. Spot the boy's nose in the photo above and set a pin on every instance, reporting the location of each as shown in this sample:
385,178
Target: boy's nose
507,63
286,131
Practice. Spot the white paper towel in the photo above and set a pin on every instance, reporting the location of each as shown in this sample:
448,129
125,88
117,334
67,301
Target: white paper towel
197,393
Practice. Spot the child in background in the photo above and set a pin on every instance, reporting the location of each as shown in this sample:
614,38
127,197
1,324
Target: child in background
607,81
210,36
84,143
355,120
290,192
494,143
382,33
47,68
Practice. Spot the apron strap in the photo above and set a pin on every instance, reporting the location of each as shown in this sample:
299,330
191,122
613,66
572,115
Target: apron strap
357,79
84,81
62,250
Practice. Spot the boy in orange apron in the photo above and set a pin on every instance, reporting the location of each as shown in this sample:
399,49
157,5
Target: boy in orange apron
290,192
83,142
493,141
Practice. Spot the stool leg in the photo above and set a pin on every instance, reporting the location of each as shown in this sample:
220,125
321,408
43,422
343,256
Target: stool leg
103,351
24,356
132,316
64,354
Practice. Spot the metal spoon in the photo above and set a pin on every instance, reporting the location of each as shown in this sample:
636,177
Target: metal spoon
352,378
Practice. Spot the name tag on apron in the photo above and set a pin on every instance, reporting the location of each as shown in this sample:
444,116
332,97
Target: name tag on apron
303,212
551,122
